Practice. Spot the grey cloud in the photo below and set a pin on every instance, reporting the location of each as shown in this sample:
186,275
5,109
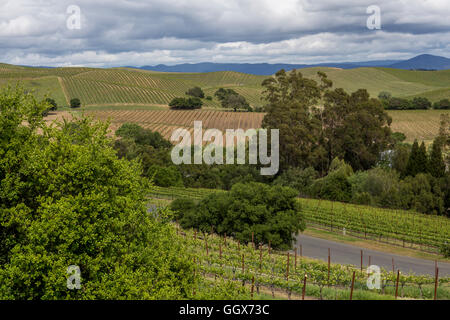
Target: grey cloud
118,32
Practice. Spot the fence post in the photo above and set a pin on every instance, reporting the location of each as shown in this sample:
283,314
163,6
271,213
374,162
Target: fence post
436,281
260,257
295,263
361,260
304,287
287,268
396,284
353,284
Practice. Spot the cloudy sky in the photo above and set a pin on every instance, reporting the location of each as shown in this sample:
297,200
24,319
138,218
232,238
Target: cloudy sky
150,32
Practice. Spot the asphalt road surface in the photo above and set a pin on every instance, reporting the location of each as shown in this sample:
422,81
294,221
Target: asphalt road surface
348,254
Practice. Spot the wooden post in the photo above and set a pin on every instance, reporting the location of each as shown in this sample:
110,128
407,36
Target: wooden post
353,284
243,265
304,287
436,281
269,247
253,286
287,268
370,262
361,260
220,251
396,284
295,259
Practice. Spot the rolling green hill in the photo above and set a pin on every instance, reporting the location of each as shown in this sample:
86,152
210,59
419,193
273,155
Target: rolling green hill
123,86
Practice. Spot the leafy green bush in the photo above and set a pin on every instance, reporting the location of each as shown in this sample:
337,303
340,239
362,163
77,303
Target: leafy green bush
183,103
271,213
66,199
165,176
182,206
196,92
75,103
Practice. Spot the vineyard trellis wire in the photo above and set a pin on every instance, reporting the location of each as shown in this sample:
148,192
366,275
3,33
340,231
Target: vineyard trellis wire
226,258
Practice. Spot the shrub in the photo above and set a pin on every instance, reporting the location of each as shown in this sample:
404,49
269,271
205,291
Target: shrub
182,206
165,176
75,103
443,104
271,213
196,92
66,199
183,103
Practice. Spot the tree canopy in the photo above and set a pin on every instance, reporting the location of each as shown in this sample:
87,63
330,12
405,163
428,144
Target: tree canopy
66,199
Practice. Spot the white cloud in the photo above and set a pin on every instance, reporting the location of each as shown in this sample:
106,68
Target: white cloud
131,32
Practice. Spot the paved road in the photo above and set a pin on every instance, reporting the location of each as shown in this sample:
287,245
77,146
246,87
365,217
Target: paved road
348,254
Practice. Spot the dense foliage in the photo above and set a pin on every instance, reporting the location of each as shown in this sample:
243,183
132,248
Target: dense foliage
183,103
395,103
270,213
230,99
66,199
196,92
353,127
75,103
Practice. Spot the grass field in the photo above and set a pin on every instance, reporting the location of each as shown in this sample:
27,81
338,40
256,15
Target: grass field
111,92
132,86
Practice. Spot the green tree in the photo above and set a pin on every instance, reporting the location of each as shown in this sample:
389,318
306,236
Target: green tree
422,159
183,103
75,103
235,102
384,95
443,104
356,128
270,213
66,199
436,165
196,92
52,103
412,168
421,103
291,101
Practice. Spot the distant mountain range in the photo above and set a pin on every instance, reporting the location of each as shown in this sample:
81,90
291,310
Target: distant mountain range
421,62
